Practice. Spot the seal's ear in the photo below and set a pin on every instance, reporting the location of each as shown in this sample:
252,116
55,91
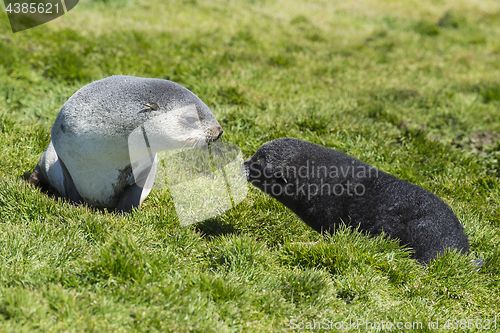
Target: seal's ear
150,107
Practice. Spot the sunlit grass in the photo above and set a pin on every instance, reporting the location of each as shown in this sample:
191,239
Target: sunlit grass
409,87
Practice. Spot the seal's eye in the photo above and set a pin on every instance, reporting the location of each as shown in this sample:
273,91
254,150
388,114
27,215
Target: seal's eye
191,120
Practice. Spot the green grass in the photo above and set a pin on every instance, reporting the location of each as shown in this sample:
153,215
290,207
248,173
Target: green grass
412,88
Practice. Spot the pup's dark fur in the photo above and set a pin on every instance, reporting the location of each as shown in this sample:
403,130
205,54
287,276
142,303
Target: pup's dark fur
325,187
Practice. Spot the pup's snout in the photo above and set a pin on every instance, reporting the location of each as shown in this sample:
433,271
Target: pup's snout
246,169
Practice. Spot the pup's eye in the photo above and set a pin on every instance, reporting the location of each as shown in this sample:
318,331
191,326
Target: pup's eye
191,120
280,175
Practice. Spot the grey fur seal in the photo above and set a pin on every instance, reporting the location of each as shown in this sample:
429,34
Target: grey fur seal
325,187
88,159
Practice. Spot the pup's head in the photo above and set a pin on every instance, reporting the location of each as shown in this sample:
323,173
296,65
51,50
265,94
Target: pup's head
273,166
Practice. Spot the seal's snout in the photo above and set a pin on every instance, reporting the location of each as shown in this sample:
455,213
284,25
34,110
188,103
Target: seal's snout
220,133
215,134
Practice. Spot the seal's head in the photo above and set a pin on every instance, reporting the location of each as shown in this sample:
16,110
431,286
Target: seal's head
105,113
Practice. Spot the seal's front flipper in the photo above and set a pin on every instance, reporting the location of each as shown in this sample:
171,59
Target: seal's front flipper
135,194
131,198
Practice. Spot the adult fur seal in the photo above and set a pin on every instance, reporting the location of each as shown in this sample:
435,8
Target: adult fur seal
88,159
325,187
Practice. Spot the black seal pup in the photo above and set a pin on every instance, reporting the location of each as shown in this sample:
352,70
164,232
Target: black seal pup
90,156
325,187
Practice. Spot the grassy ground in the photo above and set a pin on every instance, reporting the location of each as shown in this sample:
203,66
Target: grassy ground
410,87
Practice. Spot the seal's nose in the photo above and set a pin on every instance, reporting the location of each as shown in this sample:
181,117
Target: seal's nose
220,133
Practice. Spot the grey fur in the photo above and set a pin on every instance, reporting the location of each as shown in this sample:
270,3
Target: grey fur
91,131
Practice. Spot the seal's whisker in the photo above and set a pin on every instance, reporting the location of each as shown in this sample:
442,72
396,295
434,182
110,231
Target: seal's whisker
189,157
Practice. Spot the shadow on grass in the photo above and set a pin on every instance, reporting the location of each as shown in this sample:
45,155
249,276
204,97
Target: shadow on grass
26,175
215,227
